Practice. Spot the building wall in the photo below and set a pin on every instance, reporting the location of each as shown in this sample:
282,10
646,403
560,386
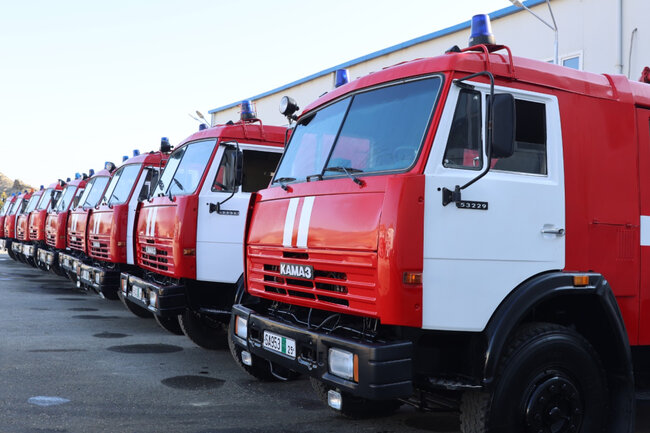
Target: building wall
587,28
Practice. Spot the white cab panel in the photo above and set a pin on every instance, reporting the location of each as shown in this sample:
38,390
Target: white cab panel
474,258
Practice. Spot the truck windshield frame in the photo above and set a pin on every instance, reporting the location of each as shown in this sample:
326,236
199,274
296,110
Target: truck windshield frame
122,184
66,198
185,168
6,207
377,130
45,199
17,208
31,205
93,192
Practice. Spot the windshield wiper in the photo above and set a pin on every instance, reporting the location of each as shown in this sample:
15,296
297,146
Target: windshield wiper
282,181
348,172
178,184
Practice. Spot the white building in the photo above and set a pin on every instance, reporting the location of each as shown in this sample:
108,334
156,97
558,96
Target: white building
604,36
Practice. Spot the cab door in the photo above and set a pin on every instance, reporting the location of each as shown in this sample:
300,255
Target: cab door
511,224
222,209
643,130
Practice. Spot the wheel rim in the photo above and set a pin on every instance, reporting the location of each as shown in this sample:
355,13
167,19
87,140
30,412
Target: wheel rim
554,405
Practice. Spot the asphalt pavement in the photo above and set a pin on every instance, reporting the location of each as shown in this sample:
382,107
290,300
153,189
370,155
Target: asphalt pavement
73,362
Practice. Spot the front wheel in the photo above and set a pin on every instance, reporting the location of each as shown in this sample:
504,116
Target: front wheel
203,331
134,308
169,324
261,368
550,380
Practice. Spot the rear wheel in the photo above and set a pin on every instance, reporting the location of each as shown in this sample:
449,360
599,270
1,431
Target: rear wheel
356,407
203,331
550,380
169,324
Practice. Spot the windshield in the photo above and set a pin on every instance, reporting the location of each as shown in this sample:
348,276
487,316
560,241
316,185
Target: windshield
45,199
375,131
31,205
122,183
93,192
66,198
6,207
17,206
185,168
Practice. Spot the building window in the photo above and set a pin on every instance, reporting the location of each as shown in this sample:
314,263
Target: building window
572,62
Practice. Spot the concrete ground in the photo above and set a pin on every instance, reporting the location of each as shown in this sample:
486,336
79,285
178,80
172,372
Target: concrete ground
72,362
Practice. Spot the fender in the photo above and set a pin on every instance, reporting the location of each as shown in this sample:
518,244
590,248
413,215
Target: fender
555,287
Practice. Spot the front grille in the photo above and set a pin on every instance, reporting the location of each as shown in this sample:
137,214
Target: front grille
161,260
76,240
344,281
99,246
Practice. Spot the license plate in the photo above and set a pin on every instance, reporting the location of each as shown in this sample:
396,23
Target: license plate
298,271
137,293
150,250
280,344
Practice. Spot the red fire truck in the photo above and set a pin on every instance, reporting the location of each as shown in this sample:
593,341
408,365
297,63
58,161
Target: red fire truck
19,247
56,223
6,209
112,222
190,233
17,208
77,229
36,223
469,230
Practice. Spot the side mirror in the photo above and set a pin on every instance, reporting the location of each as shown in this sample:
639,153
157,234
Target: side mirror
503,125
239,168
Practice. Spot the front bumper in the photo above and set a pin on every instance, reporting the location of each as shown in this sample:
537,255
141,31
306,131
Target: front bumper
385,369
17,247
69,263
48,257
29,250
164,301
97,278
3,244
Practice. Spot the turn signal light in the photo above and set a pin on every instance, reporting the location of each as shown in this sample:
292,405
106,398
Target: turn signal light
580,280
412,278
188,251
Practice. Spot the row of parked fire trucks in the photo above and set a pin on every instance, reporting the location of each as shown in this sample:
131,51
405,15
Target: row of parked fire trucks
467,231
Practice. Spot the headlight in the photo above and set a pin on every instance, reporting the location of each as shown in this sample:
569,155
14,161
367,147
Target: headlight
241,327
342,363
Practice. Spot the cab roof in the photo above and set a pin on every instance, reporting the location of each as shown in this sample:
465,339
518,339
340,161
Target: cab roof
248,132
515,69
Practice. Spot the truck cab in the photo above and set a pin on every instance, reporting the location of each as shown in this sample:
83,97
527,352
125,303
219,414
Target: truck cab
37,219
111,225
467,231
6,207
190,232
56,223
77,229
20,247
17,208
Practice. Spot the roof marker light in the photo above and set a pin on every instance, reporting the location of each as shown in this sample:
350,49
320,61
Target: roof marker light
136,152
91,172
481,33
247,110
340,77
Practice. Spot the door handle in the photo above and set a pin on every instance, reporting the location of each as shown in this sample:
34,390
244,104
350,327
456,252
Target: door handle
552,231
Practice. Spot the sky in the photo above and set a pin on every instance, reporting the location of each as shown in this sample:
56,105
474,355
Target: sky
85,81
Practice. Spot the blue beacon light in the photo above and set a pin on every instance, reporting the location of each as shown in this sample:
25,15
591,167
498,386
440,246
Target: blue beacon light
125,157
136,152
341,77
481,33
91,172
77,176
247,110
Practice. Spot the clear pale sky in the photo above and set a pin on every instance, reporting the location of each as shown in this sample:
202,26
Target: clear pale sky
85,81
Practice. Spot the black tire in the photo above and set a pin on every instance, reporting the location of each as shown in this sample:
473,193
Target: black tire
356,407
550,380
11,254
203,331
169,324
261,368
110,293
135,309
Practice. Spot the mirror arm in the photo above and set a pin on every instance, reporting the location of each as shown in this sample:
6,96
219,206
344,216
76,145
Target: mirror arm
449,196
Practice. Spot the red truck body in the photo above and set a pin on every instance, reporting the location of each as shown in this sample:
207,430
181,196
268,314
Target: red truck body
110,225
189,234
10,220
427,280
77,226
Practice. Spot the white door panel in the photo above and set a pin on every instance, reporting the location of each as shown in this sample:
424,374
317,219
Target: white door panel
474,258
132,213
